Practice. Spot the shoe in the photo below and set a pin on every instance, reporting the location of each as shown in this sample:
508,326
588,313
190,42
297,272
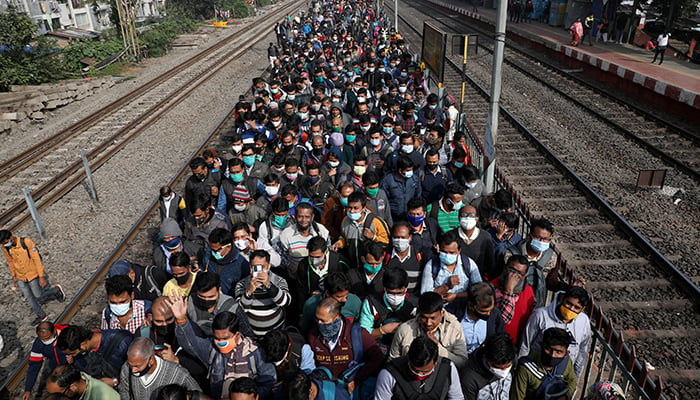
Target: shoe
39,320
61,296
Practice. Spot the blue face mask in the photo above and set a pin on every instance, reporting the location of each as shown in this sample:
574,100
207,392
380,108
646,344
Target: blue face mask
415,220
350,138
370,269
120,309
344,201
458,164
539,246
279,221
408,174
354,216
330,330
249,160
258,157
448,259
237,177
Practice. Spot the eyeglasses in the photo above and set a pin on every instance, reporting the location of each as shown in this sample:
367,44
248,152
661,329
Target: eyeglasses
470,215
521,274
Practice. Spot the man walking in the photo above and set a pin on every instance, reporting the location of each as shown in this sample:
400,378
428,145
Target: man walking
27,272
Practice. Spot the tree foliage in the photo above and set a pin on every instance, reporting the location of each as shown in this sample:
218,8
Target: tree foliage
157,39
204,9
682,9
78,50
27,58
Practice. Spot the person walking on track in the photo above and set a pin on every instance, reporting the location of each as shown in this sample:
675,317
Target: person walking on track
27,272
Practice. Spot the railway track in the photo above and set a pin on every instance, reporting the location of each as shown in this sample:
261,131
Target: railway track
633,283
52,167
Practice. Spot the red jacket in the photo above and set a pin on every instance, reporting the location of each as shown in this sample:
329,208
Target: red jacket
337,361
521,312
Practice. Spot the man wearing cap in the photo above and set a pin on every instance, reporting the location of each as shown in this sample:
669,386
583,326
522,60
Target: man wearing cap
171,242
244,210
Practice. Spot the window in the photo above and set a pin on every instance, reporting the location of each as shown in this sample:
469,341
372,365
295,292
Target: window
81,19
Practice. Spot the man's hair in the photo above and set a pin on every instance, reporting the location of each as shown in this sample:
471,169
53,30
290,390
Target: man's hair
454,189
271,178
512,220
332,305
429,303
64,375
357,197
414,203
119,284
503,199
179,259
274,344
221,236
197,162
375,249
240,226
4,235
316,243
45,326
422,351
470,173
481,293
243,385
205,281
305,206
556,337
449,238
370,178
336,282
577,292
298,386
260,253
226,320
280,205
288,189
71,336
403,162
518,259
202,201
395,278
141,347
498,348
541,223
172,392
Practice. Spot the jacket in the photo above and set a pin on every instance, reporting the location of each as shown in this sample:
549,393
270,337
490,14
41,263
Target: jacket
176,209
478,383
545,317
25,263
41,352
451,344
338,360
310,281
231,269
195,187
199,234
525,384
521,311
261,372
400,191
353,239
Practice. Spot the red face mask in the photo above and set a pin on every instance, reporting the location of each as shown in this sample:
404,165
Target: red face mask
421,376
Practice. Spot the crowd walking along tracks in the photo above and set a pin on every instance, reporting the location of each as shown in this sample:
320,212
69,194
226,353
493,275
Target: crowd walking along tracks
649,294
53,167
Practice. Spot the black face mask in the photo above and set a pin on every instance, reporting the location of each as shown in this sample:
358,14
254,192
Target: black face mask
165,331
181,280
549,361
142,372
203,304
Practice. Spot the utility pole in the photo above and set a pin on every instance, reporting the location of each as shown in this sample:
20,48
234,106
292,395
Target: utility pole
127,25
396,15
491,134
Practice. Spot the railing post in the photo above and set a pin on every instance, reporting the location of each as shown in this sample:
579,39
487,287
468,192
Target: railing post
88,177
34,212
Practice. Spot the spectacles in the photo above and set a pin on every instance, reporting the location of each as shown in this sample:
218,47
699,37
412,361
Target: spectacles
521,274
470,215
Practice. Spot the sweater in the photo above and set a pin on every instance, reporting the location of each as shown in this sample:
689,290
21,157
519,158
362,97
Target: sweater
146,387
481,251
265,308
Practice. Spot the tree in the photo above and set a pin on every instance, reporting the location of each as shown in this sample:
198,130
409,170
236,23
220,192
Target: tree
27,58
672,10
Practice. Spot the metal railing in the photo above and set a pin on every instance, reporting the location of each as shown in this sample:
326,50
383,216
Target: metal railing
610,358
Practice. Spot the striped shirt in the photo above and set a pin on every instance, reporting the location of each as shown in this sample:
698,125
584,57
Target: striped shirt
410,264
265,308
293,243
446,220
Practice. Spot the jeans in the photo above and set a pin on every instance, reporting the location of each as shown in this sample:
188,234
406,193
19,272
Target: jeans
35,294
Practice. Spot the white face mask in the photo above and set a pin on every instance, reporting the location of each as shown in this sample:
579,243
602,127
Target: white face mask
500,373
272,190
467,223
49,342
276,124
394,299
400,244
237,148
334,164
471,185
241,244
239,207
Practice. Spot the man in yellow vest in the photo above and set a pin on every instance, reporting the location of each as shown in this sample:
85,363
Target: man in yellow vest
27,272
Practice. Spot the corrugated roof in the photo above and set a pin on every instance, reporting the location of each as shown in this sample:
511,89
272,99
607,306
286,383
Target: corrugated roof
74,33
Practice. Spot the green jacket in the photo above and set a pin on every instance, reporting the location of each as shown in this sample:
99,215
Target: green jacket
525,384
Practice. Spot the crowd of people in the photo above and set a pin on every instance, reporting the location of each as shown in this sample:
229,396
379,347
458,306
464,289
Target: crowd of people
345,249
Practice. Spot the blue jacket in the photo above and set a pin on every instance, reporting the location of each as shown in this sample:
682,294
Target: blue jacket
38,354
261,372
231,269
400,191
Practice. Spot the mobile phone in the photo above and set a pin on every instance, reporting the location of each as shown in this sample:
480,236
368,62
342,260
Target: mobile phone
257,269
158,348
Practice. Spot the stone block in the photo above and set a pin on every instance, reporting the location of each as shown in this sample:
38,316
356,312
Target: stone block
9,116
37,115
53,104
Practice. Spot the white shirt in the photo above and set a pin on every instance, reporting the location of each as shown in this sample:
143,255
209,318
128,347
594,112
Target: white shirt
663,39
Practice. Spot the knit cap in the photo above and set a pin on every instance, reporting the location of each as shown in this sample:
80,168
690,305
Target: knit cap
170,228
240,193
336,139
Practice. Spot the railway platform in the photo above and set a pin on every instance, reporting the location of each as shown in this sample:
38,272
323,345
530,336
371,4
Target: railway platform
673,86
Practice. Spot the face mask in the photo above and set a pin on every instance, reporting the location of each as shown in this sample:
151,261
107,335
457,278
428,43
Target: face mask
343,201
370,69
550,361
458,164
217,256
467,223
408,174
359,170
402,89
407,148
276,124
241,244
471,185
539,246
49,342
166,198
274,91
432,106
173,243
370,269
316,261
350,138
448,259
375,142
400,244
291,97
292,176
258,157
354,216
364,128
304,116
279,221
237,177
181,280
225,346
372,192
237,148
330,330
166,331
315,107
248,161
394,300
421,376
203,304
415,220
8,244
567,314
272,190
120,310
403,75
317,152
141,373
333,164
500,373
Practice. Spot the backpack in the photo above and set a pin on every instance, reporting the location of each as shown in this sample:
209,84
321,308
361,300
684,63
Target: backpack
369,220
553,385
436,264
24,246
357,353
97,365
